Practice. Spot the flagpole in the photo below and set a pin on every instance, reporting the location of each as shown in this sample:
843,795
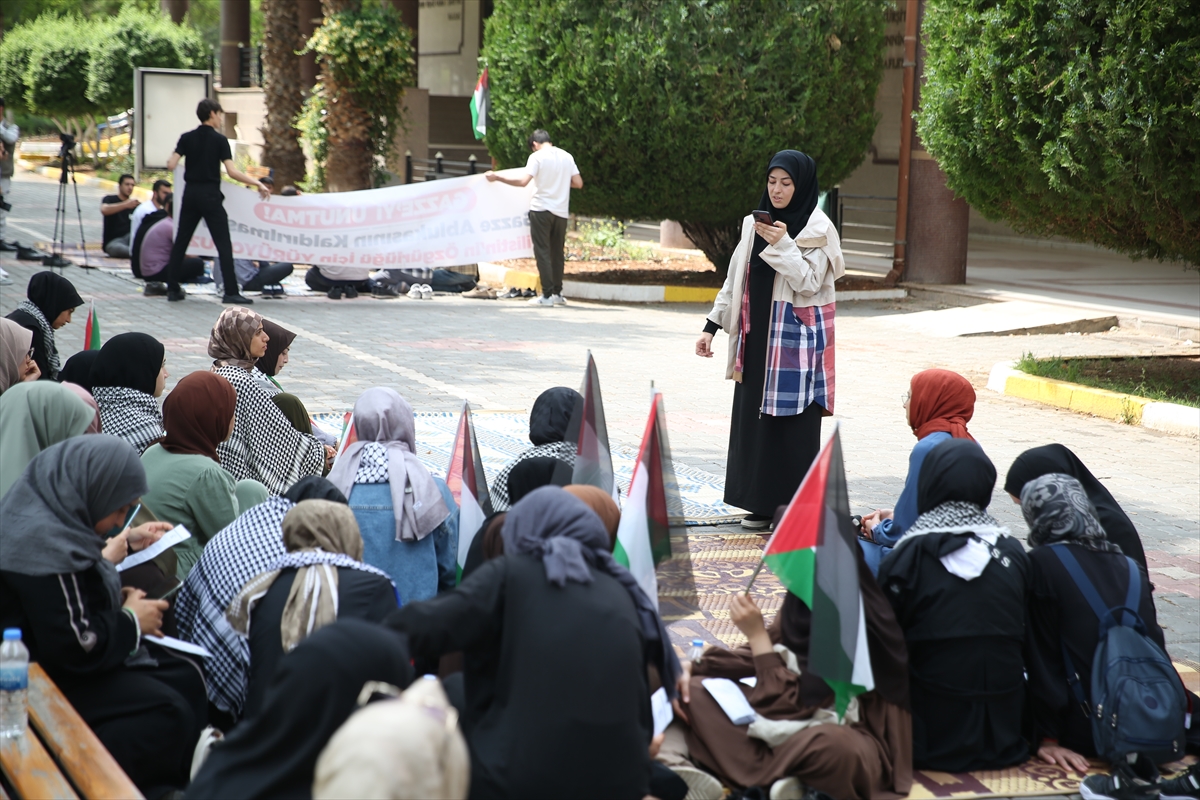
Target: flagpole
754,576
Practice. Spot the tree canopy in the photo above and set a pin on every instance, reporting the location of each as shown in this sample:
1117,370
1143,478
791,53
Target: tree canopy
672,108
1078,118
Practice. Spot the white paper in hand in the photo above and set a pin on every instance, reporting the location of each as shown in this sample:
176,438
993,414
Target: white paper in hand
169,539
731,700
660,706
178,644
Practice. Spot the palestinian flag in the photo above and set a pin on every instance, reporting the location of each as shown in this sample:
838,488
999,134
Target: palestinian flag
480,101
588,432
653,507
349,433
812,553
468,484
91,331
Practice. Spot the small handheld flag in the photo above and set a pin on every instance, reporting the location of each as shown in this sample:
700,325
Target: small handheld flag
589,433
467,482
91,331
480,101
349,433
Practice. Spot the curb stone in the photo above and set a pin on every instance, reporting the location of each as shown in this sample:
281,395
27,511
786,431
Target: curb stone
1172,418
54,173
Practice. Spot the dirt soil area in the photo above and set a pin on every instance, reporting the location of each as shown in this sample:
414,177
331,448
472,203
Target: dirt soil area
1174,379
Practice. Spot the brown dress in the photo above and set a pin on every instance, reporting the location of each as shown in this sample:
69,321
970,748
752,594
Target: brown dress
868,759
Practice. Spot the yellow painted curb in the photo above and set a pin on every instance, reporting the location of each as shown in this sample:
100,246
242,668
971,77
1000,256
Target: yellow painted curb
1125,408
54,173
689,294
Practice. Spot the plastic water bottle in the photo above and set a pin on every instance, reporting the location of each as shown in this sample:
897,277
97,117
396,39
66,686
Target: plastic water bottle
697,651
14,684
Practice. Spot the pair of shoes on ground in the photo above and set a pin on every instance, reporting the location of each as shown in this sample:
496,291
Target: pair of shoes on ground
517,294
756,522
421,291
155,289
552,300
9,247
1125,783
273,291
481,293
383,291
337,292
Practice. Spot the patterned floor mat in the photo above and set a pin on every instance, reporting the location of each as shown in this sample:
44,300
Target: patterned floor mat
1031,779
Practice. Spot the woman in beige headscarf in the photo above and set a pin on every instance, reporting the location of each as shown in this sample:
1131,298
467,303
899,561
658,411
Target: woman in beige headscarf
319,580
264,444
16,364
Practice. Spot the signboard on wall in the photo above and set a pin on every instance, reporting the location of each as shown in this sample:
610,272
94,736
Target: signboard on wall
164,107
441,23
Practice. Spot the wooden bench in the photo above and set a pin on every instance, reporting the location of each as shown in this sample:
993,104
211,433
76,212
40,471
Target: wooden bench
59,756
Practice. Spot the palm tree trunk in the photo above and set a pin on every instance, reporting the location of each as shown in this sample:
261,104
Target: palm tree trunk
282,90
350,163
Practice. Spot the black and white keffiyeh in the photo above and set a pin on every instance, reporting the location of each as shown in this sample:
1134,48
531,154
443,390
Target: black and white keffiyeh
563,451
247,547
264,445
372,464
132,415
980,529
47,336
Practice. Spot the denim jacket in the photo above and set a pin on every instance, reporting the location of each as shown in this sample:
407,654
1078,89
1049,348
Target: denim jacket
419,569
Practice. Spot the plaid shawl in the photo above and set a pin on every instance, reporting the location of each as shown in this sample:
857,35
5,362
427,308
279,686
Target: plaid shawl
132,415
799,359
563,451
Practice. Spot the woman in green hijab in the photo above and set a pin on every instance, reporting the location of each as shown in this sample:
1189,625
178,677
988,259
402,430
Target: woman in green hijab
33,416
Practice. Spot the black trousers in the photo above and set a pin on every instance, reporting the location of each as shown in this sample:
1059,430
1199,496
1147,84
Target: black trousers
549,234
269,272
191,269
202,202
149,719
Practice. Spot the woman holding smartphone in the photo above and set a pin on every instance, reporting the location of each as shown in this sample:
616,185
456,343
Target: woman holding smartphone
777,305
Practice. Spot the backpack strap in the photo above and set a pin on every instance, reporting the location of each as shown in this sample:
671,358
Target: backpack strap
1081,580
1133,596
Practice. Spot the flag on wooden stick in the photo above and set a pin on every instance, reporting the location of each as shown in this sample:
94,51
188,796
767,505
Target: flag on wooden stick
468,483
589,433
91,331
480,100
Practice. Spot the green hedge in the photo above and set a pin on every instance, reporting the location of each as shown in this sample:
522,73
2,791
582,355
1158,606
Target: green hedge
1079,118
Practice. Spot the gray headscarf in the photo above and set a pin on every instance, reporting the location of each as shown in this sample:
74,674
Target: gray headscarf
382,415
567,535
50,513
1057,509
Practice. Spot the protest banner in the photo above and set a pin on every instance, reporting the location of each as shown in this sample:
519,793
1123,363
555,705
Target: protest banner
443,223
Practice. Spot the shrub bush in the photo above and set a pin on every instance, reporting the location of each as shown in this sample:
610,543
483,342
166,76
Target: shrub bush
138,39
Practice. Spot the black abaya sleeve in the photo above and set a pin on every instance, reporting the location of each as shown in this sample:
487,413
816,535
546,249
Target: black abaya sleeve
466,618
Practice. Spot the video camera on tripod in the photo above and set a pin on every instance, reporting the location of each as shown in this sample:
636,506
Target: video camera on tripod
67,161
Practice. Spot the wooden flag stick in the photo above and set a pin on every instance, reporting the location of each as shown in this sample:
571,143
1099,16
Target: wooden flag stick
754,577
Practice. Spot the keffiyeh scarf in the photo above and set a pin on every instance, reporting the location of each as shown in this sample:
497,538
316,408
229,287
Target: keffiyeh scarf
132,415
1057,509
47,335
961,517
563,451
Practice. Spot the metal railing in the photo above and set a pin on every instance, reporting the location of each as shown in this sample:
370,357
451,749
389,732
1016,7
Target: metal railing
437,168
867,223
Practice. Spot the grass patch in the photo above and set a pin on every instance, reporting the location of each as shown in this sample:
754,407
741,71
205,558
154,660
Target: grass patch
1167,379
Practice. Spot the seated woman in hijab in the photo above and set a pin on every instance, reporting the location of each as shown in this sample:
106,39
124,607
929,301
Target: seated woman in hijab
264,445
34,416
245,549
938,406
130,372
187,485
548,422
797,738
316,688
321,579
554,613
145,703
957,581
408,517
50,301
16,355
78,369
1058,459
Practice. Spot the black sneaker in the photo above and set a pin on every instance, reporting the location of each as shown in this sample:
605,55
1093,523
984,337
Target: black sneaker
384,292
1121,784
29,254
273,292
335,293
756,522
237,300
351,292
1182,787
176,296
155,289
9,247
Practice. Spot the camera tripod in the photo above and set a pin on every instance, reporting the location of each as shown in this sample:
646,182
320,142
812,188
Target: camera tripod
66,157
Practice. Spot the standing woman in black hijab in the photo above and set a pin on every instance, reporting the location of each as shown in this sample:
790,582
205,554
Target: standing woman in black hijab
777,306
51,299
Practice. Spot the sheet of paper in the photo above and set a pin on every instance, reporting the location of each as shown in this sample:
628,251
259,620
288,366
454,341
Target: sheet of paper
179,644
731,700
661,708
169,539
752,681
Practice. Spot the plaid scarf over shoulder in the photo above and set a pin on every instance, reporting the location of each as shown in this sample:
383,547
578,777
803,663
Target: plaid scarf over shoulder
132,415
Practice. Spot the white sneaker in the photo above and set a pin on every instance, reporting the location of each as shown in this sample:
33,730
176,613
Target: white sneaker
426,291
4,279
701,785
557,299
415,292
540,301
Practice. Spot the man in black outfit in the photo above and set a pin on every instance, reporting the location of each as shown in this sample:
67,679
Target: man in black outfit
117,210
206,149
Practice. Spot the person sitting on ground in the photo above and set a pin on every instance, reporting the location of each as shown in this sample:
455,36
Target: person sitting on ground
290,191
316,688
266,370
145,703
408,517
957,581
16,355
264,445
938,405
548,422
1056,458
320,580
187,484
554,613
867,754
152,245
78,369
157,202
407,748
262,276
34,416
339,281
129,374
246,548
117,210
50,301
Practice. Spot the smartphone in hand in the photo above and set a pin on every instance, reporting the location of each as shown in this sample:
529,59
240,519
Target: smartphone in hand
762,216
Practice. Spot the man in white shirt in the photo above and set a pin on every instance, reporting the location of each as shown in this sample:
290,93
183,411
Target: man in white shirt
556,175
158,200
